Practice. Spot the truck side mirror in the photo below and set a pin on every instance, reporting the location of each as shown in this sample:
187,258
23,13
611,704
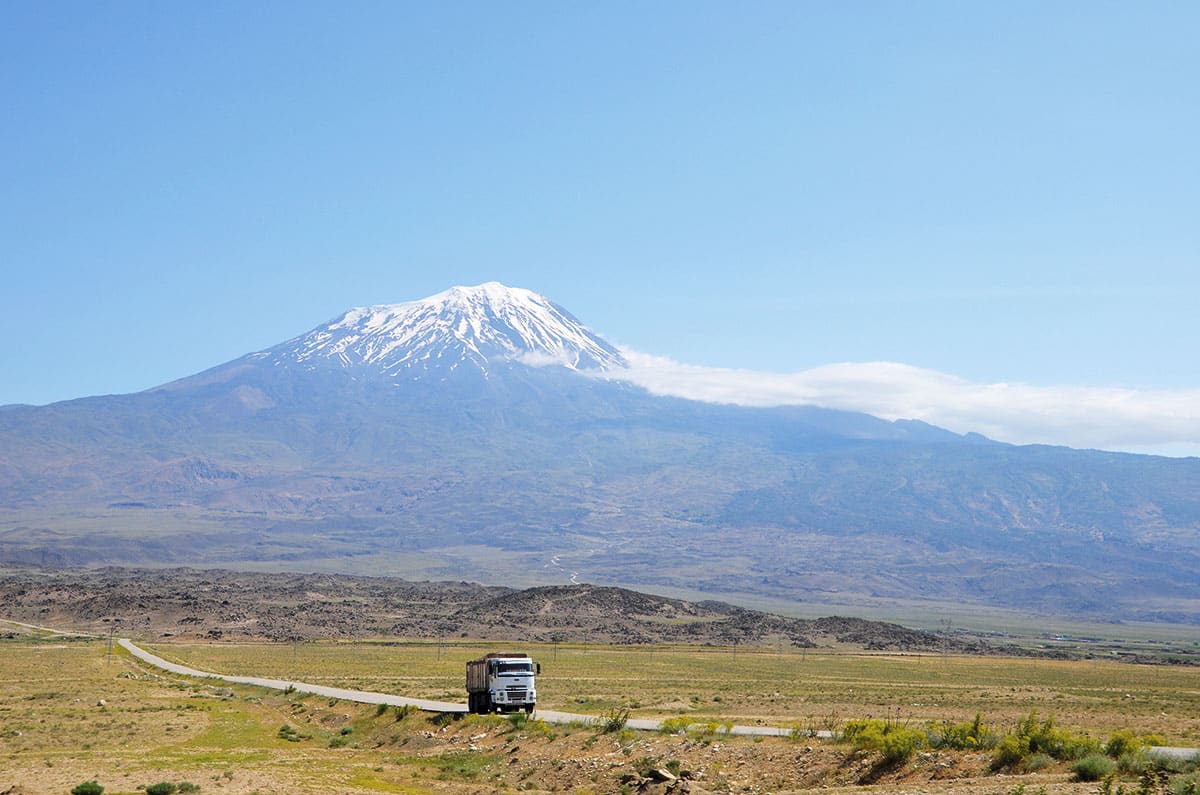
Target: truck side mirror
538,668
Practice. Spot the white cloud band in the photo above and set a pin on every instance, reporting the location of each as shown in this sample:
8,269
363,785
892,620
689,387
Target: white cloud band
1164,422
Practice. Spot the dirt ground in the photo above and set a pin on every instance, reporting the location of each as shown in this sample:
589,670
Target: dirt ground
71,713
243,741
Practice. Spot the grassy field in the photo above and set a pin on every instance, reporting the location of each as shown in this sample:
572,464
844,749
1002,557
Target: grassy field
748,686
70,712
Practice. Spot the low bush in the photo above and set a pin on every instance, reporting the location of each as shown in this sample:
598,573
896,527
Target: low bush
1122,743
709,728
961,736
802,733
646,765
675,725
1133,763
290,734
1032,736
441,719
1010,752
87,788
1173,764
1036,762
1079,746
1186,786
1092,767
612,721
894,742
161,788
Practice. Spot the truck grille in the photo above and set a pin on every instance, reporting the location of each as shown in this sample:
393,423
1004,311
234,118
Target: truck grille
516,693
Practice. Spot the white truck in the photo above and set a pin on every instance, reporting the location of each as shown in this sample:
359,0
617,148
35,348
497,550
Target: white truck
502,682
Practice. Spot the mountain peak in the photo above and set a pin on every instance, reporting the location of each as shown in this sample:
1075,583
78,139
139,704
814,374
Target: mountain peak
481,325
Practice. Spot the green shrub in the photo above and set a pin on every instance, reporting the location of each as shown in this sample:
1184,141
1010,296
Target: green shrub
1153,782
1032,736
613,721
961,736
675,725
895,742
186,787
1036,762
87,788
1186,786
288,733
161,788
1092,767
1078,746
1122,743
1173,764
1010,751
646,765
1133,764
901,744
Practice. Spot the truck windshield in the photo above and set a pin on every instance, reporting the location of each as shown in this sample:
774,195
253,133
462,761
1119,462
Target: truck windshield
514,668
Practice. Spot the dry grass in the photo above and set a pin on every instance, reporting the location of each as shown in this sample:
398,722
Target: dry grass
746,686
55,734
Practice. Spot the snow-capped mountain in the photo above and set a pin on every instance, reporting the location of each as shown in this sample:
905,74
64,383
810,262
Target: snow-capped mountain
479,326
420,438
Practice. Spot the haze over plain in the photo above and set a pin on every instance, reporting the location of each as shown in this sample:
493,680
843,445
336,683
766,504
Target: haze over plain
980,217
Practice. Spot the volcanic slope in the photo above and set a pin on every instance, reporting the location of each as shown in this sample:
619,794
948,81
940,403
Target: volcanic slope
189,604
485,434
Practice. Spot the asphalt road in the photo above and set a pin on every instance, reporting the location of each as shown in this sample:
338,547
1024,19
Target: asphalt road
367,697
361,696
549,716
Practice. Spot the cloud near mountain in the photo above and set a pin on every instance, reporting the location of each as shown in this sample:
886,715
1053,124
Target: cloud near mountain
1162,422
415,439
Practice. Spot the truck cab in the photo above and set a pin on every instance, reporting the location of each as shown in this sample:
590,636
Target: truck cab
502,682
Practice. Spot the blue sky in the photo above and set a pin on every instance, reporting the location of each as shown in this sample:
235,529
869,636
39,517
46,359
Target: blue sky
1001,193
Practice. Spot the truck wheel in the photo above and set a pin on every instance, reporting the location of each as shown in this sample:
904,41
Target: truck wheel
529,709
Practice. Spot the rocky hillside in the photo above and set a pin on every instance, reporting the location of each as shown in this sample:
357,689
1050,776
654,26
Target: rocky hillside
215,604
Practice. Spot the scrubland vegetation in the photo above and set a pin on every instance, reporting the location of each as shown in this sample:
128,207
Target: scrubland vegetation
806,690
71,717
